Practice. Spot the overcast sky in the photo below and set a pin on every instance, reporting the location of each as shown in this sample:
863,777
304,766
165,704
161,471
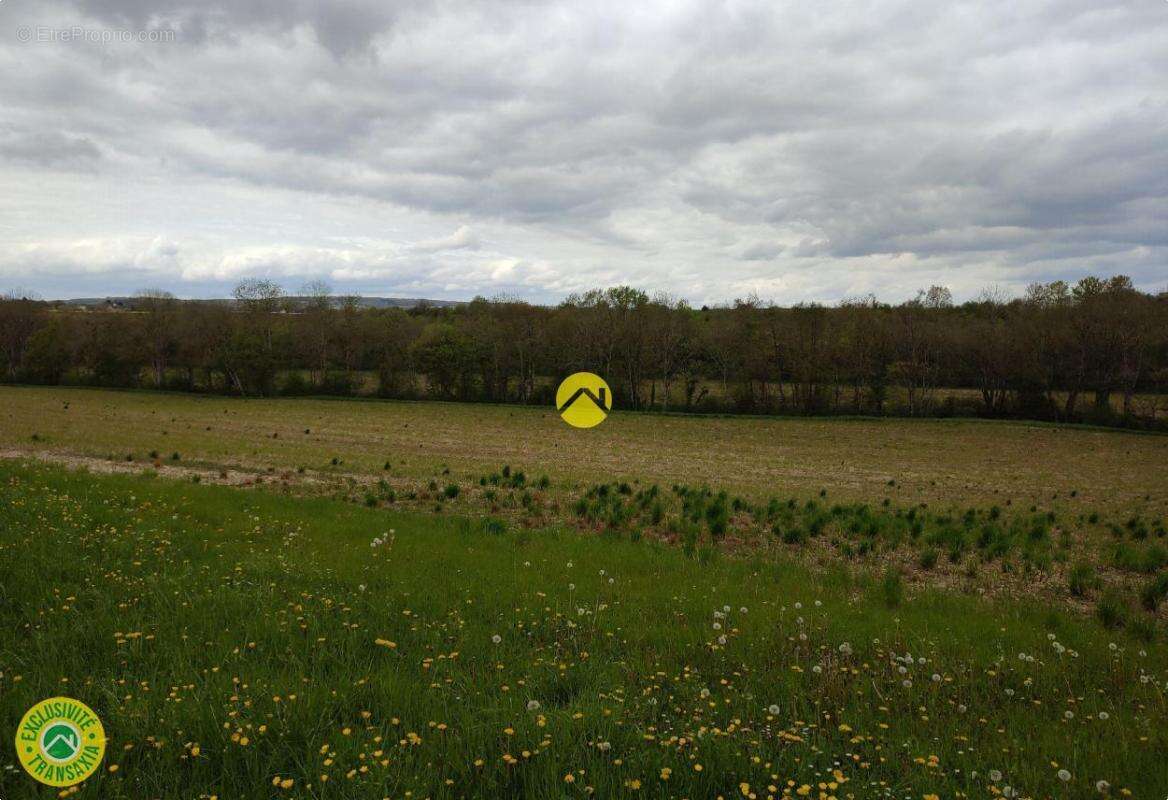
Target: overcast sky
796,150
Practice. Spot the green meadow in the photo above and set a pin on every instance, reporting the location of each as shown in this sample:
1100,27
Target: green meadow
258,644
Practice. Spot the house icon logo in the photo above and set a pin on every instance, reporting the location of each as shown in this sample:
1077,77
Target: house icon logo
583,400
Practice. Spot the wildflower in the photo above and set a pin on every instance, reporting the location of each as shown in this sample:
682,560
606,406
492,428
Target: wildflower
604,747
817,669
995,775
633,783
496,638
936,678
774,710
569,778
665,773
845,649
1064,775
744,787
385,643
705,693
532,705
1102,787
1104,716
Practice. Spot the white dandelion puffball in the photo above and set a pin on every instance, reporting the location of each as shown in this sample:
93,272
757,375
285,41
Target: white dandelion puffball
532,705
773,711
496,638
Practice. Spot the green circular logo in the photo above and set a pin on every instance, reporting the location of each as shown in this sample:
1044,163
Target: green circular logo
60,741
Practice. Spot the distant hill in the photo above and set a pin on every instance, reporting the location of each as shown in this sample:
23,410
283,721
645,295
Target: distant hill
364,302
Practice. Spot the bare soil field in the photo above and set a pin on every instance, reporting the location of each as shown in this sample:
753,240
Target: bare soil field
959,462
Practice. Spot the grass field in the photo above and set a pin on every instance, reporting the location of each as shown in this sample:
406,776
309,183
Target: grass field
247,644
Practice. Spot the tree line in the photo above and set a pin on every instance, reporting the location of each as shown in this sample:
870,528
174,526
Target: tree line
1060,352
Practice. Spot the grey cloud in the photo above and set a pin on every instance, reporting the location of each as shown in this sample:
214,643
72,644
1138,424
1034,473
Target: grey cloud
53,149
761,251
698,145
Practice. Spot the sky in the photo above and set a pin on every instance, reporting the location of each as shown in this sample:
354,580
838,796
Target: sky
795,151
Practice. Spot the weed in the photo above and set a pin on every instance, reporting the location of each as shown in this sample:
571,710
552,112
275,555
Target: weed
1082,579
892,588
1112,610
1154,592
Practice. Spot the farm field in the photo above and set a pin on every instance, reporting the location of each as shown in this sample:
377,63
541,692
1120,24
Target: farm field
250,644
934,461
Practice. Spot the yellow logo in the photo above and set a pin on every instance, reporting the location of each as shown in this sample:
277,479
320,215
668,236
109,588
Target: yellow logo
60,741
583,400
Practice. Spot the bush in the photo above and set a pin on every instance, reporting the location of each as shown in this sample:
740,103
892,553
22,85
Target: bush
793,535
295,384
494,526
451,491
928,558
